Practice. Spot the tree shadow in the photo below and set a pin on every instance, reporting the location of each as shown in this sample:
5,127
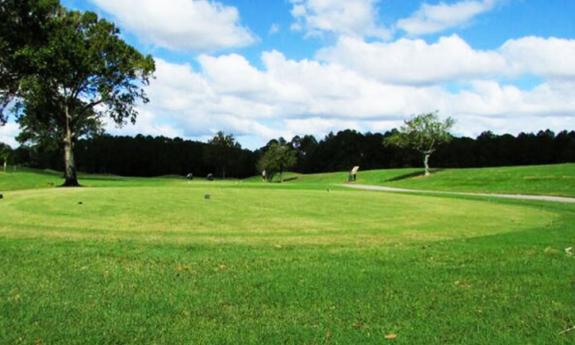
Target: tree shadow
103,179
411,175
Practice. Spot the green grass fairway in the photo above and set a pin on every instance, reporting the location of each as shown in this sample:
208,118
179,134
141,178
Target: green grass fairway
556,179
254,216
22,178
152,261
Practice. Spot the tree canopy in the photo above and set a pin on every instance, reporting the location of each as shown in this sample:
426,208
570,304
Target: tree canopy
423,133
23,29
276,159
222,152
79,73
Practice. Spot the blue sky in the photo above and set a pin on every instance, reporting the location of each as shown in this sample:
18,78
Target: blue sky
266,68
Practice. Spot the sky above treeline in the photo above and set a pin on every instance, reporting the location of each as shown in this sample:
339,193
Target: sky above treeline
261,69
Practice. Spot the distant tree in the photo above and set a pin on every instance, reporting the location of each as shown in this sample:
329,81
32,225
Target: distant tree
5,152
304,147
276,159
81,74
222,151
423,133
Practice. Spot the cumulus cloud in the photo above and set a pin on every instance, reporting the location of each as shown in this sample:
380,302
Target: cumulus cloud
491,99
416,62
407,61
183,25
342,17
551,58
430,19
368,86
285,97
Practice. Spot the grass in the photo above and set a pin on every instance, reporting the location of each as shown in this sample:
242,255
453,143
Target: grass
19,178
24,178
151,261
556,179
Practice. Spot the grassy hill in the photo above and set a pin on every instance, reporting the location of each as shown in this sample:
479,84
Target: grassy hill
540,179
556,179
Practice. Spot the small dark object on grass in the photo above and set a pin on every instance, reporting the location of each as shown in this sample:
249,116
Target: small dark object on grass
80,203
190,176
1,196
207,196
210,177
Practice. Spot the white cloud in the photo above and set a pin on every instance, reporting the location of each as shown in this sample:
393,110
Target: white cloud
287,97
491,99
430,19
364,86
408,61
184,25
416,62
148,123
342,17
8,134
551,57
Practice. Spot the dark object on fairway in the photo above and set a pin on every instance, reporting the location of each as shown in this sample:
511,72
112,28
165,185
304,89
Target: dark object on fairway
210,177
1,196
207,196
190,176
80,203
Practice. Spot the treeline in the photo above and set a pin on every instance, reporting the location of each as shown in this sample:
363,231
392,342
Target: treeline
156,156
145,156
347,148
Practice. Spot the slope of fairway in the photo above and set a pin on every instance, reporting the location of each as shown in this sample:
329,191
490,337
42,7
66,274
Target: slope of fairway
540,179
28,179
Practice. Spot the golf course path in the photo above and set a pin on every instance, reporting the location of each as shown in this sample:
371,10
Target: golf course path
506,196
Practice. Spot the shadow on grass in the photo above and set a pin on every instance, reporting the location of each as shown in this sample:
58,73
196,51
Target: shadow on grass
286,179
411,175
102,178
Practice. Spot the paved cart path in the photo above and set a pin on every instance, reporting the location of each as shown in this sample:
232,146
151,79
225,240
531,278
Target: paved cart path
504,196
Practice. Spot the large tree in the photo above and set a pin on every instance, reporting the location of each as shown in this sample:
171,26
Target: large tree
276,159
82,73
423,133
222,150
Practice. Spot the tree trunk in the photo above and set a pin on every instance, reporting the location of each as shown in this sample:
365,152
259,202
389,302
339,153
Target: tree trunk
70,176
426,163
5,164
